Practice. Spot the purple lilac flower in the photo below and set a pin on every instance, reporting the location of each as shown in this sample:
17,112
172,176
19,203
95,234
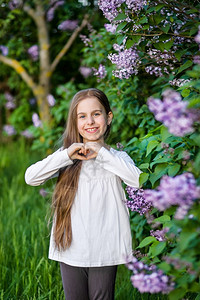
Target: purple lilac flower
149,279
180,190
10,104
173,113
179,82
4,50
26,133
32,101
159,234
101,72
87,42
43,192
167,149
110,28
51,100
36,120
197,37
68,25
110,8
9,129
33,51
196,59
51,11
127,61
136,5
120,146
85,71
138,202
14,4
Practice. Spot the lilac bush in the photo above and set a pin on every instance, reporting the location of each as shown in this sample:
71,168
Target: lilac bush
68,25
9,130
33,51
149,279
180,191
127,61
173,113
4,50
138,202
36,120
101,72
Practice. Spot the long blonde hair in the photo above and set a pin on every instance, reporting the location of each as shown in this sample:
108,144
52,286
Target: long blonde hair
67,183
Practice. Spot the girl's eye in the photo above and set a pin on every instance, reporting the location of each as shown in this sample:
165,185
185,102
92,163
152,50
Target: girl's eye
81,117
97,114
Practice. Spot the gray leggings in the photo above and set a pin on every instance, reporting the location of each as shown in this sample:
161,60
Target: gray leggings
96,283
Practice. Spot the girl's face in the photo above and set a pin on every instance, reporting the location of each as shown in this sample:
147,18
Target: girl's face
92,120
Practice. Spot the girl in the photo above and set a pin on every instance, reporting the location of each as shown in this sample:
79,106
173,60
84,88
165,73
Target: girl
91,230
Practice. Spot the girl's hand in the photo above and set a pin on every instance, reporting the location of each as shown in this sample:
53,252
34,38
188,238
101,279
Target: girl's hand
77,151
92,149
84,151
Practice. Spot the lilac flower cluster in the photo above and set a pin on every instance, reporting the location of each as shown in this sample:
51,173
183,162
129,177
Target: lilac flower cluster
14,4
173,113
136,5
120,146
51,100
159,234
127,61
4,50
110,8
180,190
43,192
68,25
10,104
36,120
138,202
197,40
87,42
26,133
9,130
177,263
167,149
101,72
149,279
54,4
163,62
85,71
179,81
110,28
33,51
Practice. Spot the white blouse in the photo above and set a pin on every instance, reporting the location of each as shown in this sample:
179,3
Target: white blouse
101,234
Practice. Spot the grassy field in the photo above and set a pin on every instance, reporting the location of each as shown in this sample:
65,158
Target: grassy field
25,271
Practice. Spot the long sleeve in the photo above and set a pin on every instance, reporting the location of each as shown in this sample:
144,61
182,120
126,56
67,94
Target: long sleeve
119,163
47,168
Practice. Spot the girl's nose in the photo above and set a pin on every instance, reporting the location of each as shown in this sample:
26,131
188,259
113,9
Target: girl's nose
90,120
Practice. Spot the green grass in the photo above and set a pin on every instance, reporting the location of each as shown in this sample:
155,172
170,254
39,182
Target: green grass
25,271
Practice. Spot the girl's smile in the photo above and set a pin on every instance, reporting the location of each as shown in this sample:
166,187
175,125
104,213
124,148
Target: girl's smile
92,120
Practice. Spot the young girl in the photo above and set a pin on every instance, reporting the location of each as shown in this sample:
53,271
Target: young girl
91,230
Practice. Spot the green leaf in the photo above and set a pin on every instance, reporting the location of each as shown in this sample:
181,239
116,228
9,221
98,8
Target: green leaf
173,170
166,28
177,294
143,20
157,248
164,133
143,178
120,39
162,219
136,38
179,53
146,241
164,266
151,145
168,45
120,16
159,171
129,44
185,92
121,26
143,166
186,65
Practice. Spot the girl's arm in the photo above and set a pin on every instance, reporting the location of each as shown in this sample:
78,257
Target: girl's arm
47,168
119,163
